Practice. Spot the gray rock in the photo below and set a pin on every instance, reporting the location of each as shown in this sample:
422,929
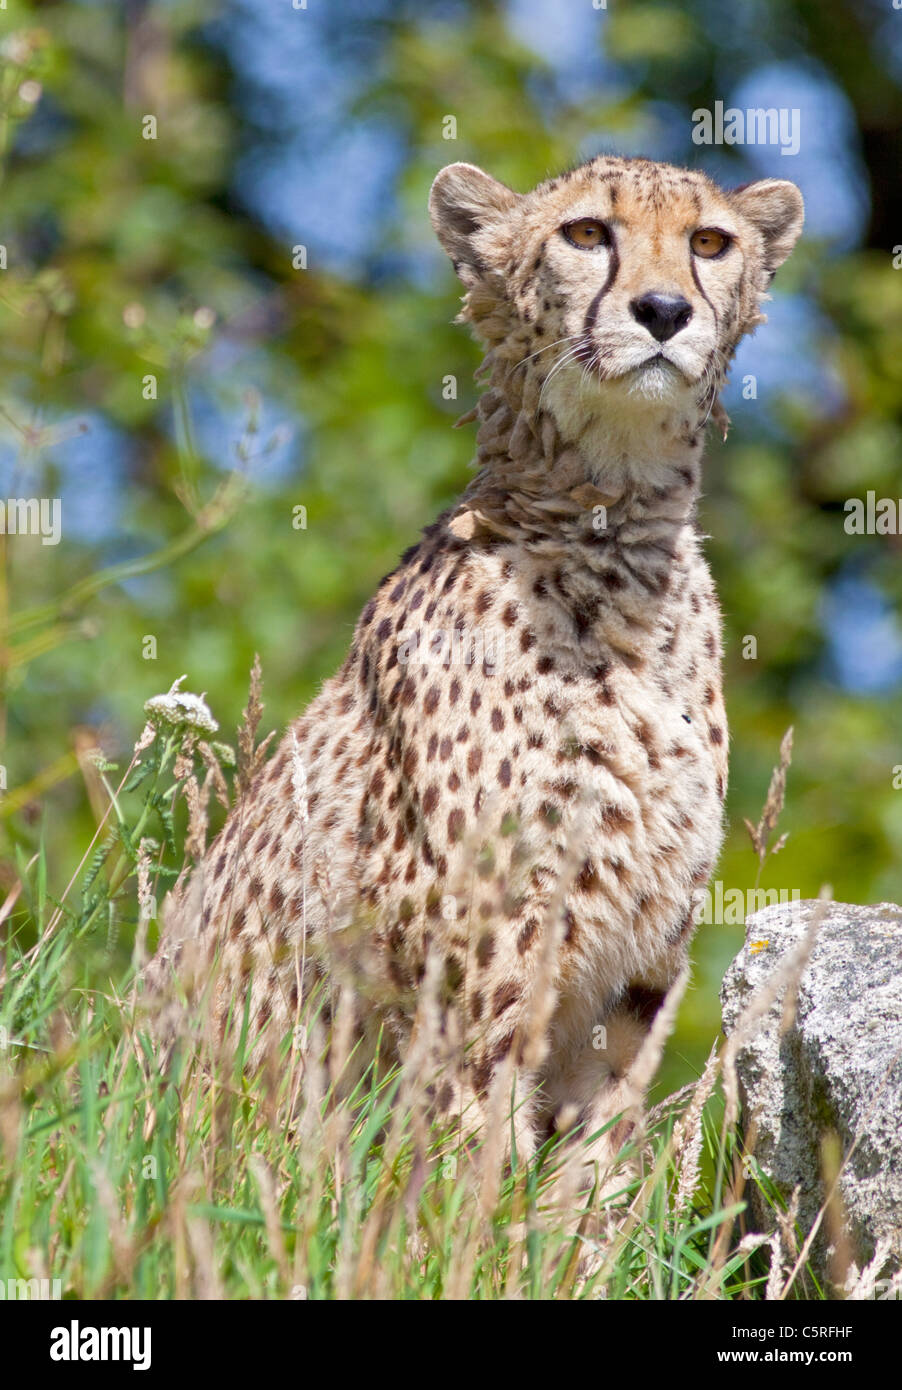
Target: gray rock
827,1070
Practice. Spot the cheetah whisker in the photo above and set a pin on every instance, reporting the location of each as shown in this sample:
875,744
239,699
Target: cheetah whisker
567,338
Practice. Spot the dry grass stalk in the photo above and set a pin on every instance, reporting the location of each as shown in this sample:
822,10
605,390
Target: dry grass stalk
146,909
862,1284
835,1217
302,810
688,1134
500,1117
418,1071
197,799
121,1244
631,1221
782,1246
89,754
207,1287
776,795
249,757
266,1188
215,772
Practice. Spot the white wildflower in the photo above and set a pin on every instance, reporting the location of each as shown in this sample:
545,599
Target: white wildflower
179,707
16,48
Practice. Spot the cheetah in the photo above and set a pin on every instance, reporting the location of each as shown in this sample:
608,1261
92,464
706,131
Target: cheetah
512,790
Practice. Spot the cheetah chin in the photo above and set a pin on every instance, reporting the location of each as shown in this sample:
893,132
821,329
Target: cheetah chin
657,379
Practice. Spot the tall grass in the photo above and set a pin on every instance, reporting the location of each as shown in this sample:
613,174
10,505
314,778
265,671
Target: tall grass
206,1183
308,1177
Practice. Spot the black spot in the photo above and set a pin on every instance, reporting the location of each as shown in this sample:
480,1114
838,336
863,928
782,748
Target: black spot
643,1002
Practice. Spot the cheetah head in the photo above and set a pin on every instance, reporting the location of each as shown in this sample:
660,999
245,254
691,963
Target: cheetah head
622,285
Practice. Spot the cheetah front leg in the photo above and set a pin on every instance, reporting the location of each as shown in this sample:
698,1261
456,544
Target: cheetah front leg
586,1089
471,1070
493,1119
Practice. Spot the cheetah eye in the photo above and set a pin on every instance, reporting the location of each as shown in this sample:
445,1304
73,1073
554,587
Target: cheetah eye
708,242
587,233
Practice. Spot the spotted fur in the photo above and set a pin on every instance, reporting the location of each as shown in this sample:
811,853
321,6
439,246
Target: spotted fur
523,758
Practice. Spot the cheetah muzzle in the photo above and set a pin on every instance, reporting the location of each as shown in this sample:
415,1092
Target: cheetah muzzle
513,788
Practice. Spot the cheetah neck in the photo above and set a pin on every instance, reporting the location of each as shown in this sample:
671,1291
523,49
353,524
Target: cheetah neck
632,477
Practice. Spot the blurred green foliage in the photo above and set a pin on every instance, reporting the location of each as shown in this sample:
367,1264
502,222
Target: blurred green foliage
130,257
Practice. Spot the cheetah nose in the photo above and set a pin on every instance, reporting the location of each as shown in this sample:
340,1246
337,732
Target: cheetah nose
662,314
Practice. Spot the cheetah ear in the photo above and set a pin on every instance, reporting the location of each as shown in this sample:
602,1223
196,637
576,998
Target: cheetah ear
467,207
776,208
